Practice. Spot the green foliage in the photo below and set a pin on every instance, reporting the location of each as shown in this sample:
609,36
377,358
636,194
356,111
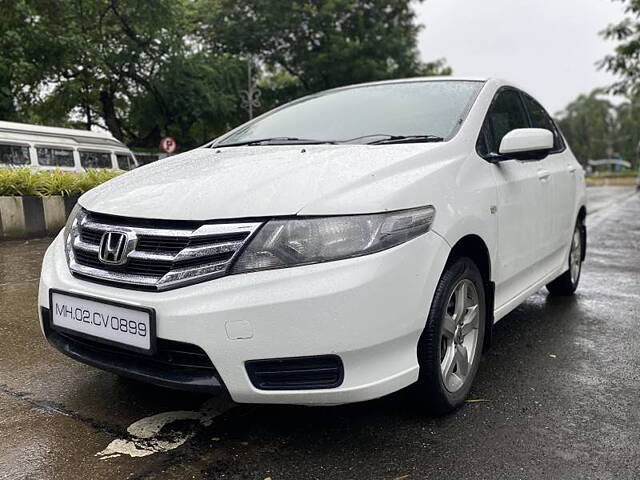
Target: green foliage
319,45
625,61
129,66
597,129
624,173
19,181
25,181
589,124
143,69
201,93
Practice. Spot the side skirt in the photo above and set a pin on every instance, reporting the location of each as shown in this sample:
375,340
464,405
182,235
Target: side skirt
503,310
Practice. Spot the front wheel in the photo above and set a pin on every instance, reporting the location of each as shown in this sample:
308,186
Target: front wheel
567,283
451,345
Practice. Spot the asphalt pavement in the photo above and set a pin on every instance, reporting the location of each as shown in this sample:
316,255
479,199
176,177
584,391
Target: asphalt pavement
557,396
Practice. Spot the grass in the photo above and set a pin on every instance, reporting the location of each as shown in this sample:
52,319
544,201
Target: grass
40,183
618,181
626,177
627,172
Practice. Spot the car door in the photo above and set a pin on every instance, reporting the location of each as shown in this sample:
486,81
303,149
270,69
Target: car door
563,171
523,201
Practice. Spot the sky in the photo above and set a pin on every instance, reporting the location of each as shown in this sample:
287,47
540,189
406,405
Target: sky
547,47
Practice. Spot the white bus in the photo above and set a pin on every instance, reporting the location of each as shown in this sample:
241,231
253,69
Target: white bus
48,148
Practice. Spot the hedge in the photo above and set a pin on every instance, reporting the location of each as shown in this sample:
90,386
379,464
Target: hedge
42,183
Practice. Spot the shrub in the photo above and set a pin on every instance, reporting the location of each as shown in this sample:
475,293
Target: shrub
25,181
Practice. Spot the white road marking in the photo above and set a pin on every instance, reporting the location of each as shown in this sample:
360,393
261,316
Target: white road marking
147,437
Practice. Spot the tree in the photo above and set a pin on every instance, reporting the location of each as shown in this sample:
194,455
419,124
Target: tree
589,124
123,65
315,45
628,130
624,119
143,69
25,56
625,61
200,93
597,129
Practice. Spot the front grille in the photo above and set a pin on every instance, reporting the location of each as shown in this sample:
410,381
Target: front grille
162,244
296,373
137,267
166,254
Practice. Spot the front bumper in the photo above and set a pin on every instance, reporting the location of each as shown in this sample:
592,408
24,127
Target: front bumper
174,365
368,311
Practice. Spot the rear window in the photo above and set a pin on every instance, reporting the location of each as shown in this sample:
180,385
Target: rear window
89,159
14,155
55,157
125,161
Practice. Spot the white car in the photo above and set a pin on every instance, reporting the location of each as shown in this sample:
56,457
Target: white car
336,249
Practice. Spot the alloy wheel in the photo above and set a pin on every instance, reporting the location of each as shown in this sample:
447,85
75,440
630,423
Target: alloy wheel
575,256
459,337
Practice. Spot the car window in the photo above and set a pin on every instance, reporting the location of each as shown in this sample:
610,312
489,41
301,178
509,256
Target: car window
125,162
541,119
482,146
14,155
505,114
411,108
90,159
55,157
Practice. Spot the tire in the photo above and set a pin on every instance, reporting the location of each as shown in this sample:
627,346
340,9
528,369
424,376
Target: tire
442,385
567,283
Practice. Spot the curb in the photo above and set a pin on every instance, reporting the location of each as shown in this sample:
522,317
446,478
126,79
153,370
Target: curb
33,217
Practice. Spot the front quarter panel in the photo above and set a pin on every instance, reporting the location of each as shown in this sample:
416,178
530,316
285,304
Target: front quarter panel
466,193
467,204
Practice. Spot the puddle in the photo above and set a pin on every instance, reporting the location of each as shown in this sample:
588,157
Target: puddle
153,434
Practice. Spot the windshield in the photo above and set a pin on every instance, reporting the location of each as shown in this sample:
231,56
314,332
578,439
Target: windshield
433,108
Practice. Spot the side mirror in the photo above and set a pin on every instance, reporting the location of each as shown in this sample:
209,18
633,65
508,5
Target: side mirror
526,143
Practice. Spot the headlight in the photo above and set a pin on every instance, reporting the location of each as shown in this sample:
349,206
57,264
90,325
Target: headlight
71,228
287,243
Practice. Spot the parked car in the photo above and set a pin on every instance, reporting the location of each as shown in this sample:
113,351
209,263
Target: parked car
48,148
336,249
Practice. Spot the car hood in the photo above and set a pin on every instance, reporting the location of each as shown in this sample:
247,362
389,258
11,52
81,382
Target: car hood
245,182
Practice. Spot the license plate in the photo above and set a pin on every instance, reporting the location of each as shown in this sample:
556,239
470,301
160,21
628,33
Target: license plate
126,326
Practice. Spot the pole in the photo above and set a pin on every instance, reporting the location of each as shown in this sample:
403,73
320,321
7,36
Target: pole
249,88
251,96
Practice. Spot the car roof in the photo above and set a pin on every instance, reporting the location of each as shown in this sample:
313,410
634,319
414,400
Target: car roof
494,81
419,79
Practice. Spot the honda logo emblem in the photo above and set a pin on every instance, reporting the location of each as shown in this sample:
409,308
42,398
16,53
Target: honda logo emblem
115,247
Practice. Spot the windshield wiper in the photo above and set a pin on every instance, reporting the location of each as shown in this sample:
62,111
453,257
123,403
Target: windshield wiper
275,141
391,139
388,139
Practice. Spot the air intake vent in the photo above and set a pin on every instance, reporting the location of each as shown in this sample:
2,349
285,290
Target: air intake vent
299,373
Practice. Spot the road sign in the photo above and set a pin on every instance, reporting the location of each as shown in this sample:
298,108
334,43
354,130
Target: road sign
168,145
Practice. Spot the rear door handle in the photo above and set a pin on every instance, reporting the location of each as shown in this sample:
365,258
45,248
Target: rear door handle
543,174
571,168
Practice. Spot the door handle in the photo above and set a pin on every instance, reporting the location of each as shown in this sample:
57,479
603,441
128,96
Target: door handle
571,168
543,174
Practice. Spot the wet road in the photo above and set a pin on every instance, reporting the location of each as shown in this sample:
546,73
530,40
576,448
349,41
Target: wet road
556,397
